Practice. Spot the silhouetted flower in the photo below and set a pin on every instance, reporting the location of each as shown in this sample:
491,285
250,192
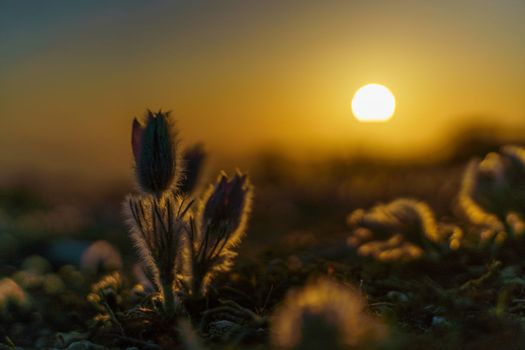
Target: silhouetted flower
224,207
219,225
182,248
193,159
155,152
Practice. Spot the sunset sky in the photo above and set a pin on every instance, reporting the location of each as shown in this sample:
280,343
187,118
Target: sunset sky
245,75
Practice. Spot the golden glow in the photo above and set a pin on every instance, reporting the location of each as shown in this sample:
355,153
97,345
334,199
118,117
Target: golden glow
260,91
373,103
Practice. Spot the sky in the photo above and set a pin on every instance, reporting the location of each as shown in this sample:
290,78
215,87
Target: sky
241,76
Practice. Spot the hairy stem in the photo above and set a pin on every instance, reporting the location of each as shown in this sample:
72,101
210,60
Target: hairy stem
168,298
196,283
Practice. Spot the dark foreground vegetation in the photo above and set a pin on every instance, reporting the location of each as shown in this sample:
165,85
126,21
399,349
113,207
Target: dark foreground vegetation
334,255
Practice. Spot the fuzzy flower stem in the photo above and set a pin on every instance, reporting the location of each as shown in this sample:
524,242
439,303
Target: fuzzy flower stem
219,225
157,231
196,283
168,298
166,281
195,287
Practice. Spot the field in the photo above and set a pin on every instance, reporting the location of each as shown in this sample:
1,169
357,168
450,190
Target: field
338,254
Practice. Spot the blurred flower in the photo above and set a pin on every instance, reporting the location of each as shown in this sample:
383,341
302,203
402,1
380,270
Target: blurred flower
12,294
107,290
492,194
32,273
100,255
155,152
71,276
325,314
399,230
28,279
193,159
36,264
394,248
53,284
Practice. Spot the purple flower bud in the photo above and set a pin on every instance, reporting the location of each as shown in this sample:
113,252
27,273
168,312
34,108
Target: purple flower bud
100,256
155,152
193,159
221,223
225,207
137,132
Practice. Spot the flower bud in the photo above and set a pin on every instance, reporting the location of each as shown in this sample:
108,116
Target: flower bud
154,149
325,314
221,223
193,158
225,207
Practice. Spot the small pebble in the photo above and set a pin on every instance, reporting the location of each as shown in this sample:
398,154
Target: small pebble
396,296
440,322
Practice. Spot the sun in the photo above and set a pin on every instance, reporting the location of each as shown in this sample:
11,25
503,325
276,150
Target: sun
373,103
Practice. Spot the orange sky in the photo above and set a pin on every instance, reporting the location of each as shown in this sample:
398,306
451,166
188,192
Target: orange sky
245,75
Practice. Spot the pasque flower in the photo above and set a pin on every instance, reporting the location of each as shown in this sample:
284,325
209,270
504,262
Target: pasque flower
156,215
157,229
491,195
183,248
399,230
155,152
193,159
222,212
219,225
325,314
